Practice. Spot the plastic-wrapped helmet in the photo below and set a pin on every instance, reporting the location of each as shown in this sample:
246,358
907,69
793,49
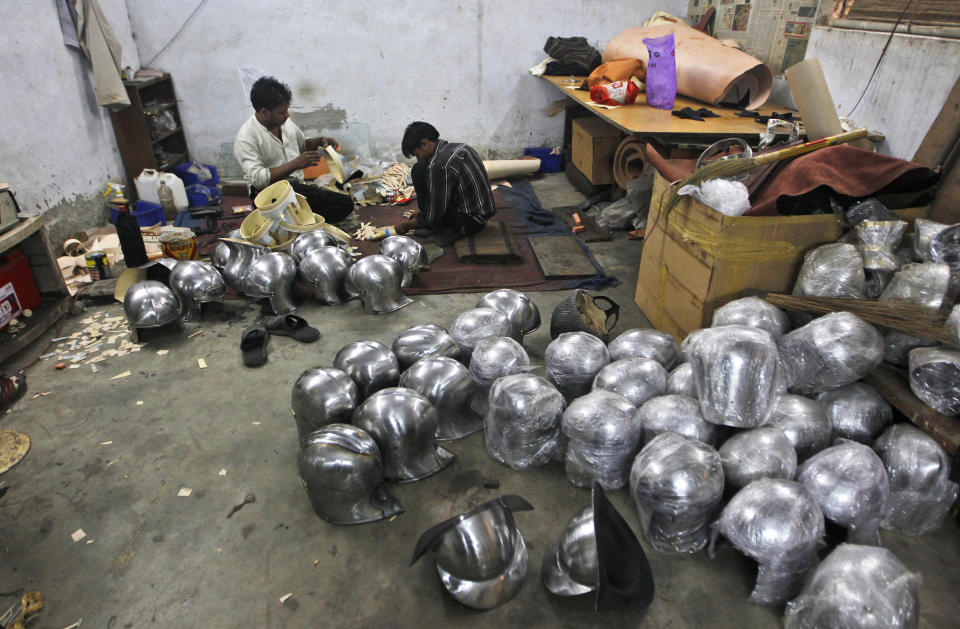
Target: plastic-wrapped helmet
646,343
753,312
757,453
408,252
935,378
603,435
804,422
325,269
573,360
778,524
308,241
194,283
371,365
494,357
449,387
234,257
522,424
680,381
480,555
271,276
150,304
637,379
322,396
377,280
404,425
480,323
675,413
424,341
856,412
343,471
520,309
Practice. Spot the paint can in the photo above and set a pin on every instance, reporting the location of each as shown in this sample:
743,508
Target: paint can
180,245
97,265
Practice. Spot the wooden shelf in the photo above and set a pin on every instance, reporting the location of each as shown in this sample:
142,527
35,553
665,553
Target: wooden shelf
166,134
44,317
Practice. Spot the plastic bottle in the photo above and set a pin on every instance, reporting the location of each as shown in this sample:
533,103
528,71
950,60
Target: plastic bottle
146,184
166,200
176,186
131,241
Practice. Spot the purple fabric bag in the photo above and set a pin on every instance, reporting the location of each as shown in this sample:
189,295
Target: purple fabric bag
661,72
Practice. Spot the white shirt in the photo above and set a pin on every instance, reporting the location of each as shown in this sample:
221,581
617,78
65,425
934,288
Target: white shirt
258,150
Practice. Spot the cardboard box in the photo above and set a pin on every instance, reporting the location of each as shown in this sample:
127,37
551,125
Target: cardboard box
702,259
593,144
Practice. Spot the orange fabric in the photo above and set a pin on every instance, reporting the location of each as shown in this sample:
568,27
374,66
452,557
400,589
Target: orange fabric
618,70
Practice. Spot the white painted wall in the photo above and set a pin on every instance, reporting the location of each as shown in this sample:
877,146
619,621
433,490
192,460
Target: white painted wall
909,88
461,65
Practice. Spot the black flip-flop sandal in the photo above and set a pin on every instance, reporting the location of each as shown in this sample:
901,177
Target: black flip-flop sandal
253,345
292,326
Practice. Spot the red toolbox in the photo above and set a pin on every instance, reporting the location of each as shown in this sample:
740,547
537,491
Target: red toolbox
18,291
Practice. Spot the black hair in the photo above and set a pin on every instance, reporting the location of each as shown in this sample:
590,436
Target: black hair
267,92
415,132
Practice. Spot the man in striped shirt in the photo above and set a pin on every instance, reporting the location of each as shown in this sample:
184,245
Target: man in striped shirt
453,190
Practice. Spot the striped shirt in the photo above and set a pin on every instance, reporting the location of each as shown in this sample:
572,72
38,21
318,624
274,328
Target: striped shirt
456,179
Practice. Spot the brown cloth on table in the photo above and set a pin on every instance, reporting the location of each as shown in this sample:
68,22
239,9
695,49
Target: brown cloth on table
491,245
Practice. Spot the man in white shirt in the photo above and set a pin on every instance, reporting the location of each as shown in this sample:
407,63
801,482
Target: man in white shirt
270,147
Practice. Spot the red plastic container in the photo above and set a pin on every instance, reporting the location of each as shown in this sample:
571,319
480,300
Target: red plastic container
18,291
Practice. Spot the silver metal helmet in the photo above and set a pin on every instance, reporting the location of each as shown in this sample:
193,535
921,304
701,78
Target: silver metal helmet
377,280
520,309
804,422
755,313
424,341
603,435
637,379
573,360
448,386
308,241
494,357
150,304
408,252
322,396
522,425
481,556
194,283
480,323
680,381
271,277
342,468
856,412
676,484
371,365
325,269
234,258
675,413
851,485
757,453
646,343
777,523
222,252
404,425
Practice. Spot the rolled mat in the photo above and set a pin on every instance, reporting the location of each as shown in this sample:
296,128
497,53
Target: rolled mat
629,160
500,168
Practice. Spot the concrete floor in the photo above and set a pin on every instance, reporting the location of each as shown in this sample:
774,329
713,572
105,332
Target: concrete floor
157,559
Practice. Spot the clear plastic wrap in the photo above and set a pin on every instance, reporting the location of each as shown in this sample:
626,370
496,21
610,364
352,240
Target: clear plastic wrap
680,381
492,358
851,485
778,524
856,412
735,369
754,454
752,312
723,195
952,326
906,250
869,210
945,249
522,425
833,270
925,231
573,360
675,413
637,379
646,343
830,352
602,431
935,378
804,422
923,284
480,323
921,492
897,346
877,282
877,241
677,485
857,587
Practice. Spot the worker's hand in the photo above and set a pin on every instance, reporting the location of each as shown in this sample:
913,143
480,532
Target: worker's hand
405,226
307,158
324,142
414,213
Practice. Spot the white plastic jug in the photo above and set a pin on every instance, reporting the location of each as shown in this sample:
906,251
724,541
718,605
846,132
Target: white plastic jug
147,184
175,184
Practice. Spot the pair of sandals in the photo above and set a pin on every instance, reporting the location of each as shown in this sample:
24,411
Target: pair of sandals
253,342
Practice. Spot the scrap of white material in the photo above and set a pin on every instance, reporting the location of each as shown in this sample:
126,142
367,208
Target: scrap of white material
366,231
94,368
74,366
139,402
105,443
602,106
255,423
121,375
89,541
77,535
285,597
162,352
222,472
202,363
74,625
184,492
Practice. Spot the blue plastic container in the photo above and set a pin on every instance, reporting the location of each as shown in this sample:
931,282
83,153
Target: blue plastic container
548,163
148,214
190,179
199,195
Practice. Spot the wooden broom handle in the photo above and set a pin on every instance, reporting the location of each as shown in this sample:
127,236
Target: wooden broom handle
808,147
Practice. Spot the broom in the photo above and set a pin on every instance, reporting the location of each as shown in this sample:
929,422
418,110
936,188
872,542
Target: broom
737,165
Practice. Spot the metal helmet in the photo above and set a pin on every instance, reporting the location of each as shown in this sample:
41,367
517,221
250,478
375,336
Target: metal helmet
448,386
757,453
194,283
494,357
271,276
222,252
322,396
921,492
856,412
851,485
520,309
150,304
479,323
752,312
423,341
408,252
637,379
371,365
481,556
325,269
675,413
646,343
935,377
308,241
603,436
573,360
676,484
804,422
404,425
234,257
777,523
343,471
680,381
597,551
522,425
377,280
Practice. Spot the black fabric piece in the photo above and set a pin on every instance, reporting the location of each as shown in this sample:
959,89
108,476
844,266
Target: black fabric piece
574,52
690,113
787,116
625,579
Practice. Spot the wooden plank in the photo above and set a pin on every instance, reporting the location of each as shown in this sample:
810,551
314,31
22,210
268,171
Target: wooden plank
561,257
893,387
943,133
13,237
